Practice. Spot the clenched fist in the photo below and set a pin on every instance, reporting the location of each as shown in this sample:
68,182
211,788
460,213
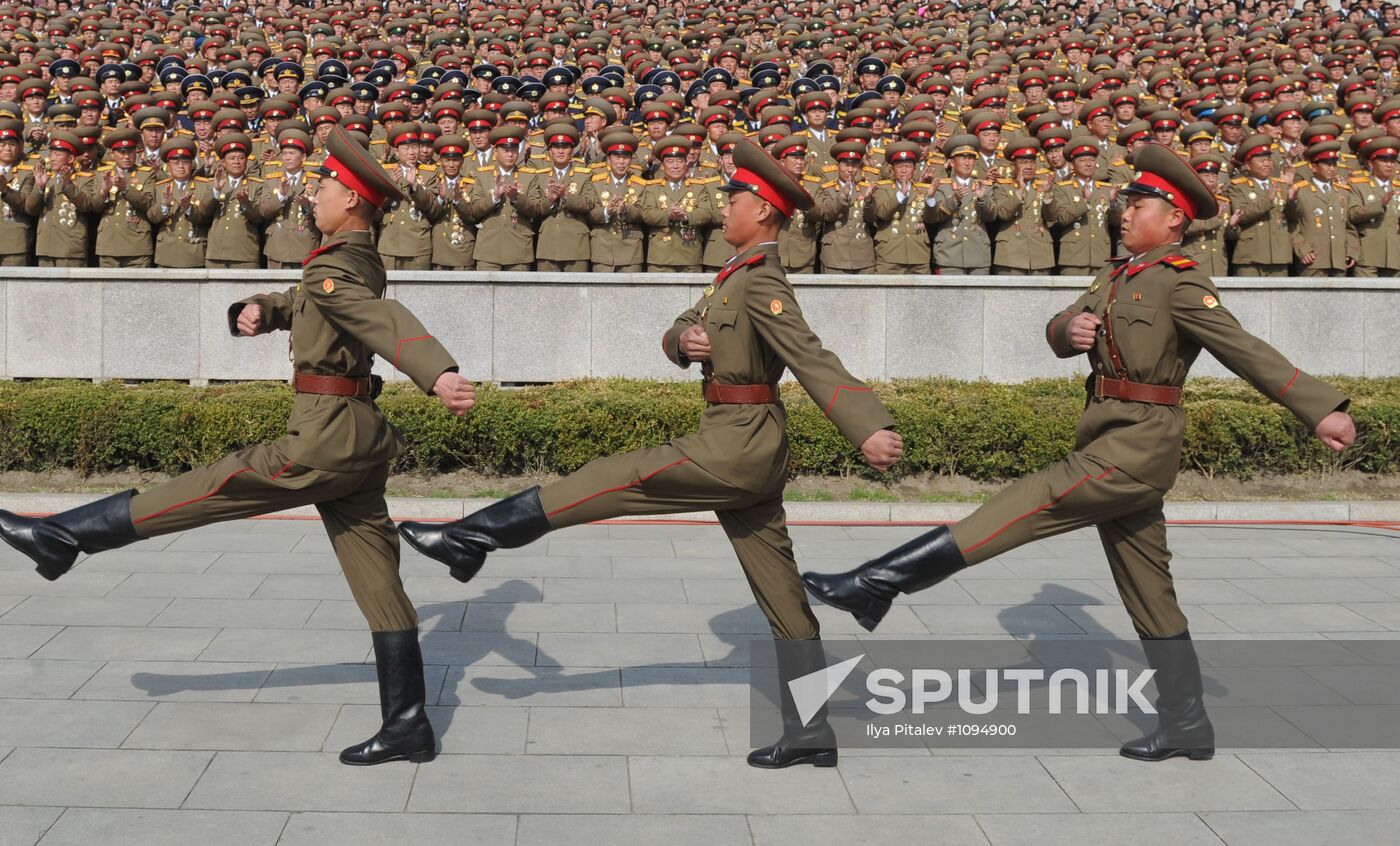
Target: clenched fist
695,344
1083,329
455,392
1337,431
249,319
882,449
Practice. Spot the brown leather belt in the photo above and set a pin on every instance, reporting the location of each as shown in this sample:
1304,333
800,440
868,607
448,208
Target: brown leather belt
340,386
1122,389
741,394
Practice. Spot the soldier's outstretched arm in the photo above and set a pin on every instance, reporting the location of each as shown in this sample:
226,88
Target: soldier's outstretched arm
276,312
1057,330
847,401
385,326
1197,313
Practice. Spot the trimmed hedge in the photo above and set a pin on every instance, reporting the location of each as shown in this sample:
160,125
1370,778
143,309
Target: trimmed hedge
978,429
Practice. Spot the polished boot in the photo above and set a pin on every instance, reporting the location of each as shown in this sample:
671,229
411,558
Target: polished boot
406,733
813,743
867,590
1182,725
463,545
54,542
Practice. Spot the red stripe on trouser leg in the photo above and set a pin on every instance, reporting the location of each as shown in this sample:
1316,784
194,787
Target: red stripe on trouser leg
214,492
1035,511
591,497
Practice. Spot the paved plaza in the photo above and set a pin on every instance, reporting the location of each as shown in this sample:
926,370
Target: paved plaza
593,689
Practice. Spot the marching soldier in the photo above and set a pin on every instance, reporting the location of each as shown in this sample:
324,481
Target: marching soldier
1143,323
454,235
959,207
179,241
897,212
676,209
1262,247
16,184
1080,206
1205,236
1023,242
745,330
504,238
613,199
1317,216
115,193
336,455
406,232
555,200
1373,210
846,243
225,205
797,242
55,202
285,199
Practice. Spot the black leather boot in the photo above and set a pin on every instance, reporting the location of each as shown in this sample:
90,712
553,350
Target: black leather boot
1182,725
813,743
867,590
406,734
463,545
54,542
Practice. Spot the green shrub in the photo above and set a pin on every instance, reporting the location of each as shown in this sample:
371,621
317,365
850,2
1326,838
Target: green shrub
978,429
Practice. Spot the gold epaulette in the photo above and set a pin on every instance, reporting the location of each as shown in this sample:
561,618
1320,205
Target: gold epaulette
1066,182
634,179
485,168
430,168
1239,180
1005,182
829,168
599,177
703,180
885,182
832,184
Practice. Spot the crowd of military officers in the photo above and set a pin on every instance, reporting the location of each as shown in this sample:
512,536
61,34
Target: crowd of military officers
951,138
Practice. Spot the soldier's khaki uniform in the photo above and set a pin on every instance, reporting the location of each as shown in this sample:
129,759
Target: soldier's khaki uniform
1205,241
233,224
1127,453
1262,247
337,451
289,225
1023,244
1317,221
562,242
124,237
1376,224
180,242
1083,224
454,233
846,242
676,246
961,243
505,240
756,331
616,243
405,230
16,227
63,229
901,231
797,240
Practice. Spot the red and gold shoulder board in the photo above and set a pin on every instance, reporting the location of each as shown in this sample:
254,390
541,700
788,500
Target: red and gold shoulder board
1180,262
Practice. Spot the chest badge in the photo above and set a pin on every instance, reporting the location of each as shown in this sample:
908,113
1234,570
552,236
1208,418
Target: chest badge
1209,301
776,307
710,291
1094,287
1137,296
328,286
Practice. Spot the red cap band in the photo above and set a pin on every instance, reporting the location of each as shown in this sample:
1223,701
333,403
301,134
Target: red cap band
1174,195
765,190
347,177
561,138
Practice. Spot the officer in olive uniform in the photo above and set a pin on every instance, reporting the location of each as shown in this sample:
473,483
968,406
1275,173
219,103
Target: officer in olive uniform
718,251
179,241
1257,197
1373,210
225,205
454,235
55,200
16,183
839,206
1317,215
960,209
897,212
797,242
554,200
406,232
745,330
613,198
115,193
676,210
335,456
1080,207
1205,236
1023,242
505,240
1143,323
285,199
